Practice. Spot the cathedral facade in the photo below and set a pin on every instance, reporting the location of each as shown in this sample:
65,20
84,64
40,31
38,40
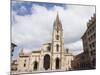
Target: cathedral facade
50,57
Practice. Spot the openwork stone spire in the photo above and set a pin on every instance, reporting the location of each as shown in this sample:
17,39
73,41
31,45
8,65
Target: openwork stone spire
57,23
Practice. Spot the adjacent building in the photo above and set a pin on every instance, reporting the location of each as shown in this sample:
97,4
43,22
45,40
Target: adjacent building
87,59
80,62
12,48
89,41
14,65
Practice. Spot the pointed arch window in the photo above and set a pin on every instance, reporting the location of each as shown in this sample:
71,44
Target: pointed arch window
46,63
35,65
57,29
57,37
57,47
57,66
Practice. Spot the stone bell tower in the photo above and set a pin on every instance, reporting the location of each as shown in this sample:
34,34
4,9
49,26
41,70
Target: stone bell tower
57,45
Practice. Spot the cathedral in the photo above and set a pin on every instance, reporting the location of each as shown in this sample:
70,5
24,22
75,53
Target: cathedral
52,56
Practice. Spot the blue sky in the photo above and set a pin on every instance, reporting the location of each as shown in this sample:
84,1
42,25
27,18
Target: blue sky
28,5
32,24
23,8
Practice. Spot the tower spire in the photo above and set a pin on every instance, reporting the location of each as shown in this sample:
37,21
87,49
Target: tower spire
57,23
57,18
57,41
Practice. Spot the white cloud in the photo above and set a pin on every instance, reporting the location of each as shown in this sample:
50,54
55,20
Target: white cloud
75,47
31,31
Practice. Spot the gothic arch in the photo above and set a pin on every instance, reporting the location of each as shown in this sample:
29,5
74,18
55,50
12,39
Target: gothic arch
46,63
57,37
57,63
57,47
35,65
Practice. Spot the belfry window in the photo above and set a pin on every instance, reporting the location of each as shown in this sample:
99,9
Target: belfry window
57,37
57,47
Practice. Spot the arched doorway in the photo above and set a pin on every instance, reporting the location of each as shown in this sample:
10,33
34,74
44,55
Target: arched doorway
46,64
57,63
35,65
